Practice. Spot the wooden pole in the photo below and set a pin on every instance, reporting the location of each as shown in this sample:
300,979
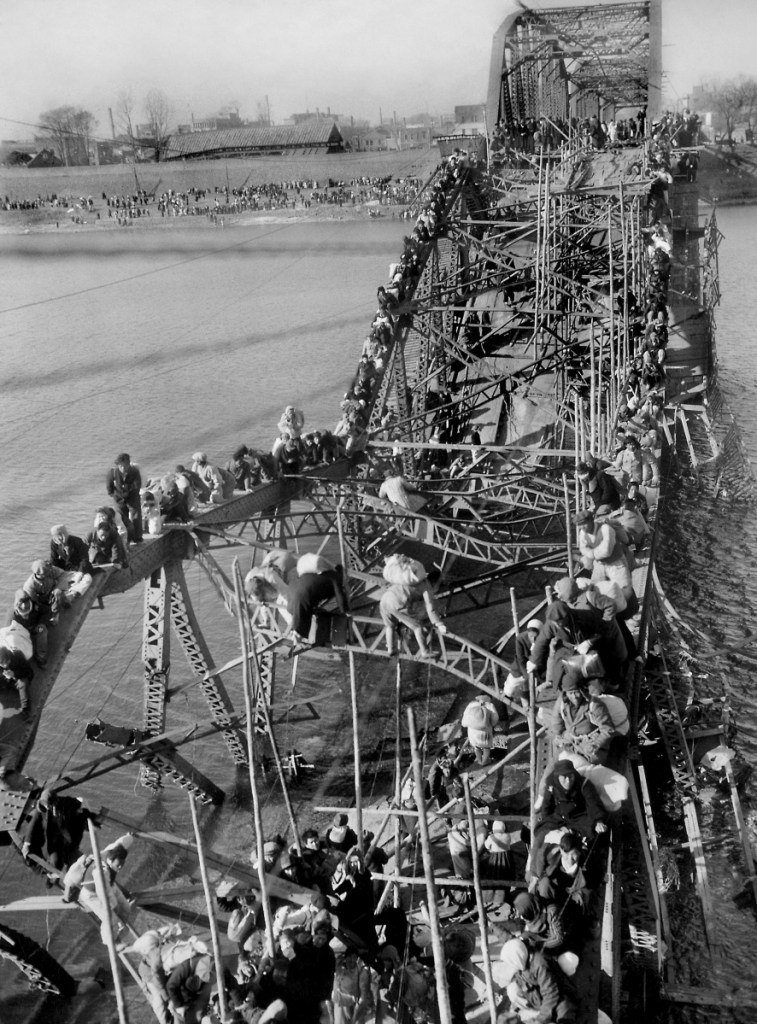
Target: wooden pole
209,903
532,764
398,778
262,703
568,526
576,429
353,692
102,888
592,393
356,744
480,904
445,1010
514,609
611,390
257,816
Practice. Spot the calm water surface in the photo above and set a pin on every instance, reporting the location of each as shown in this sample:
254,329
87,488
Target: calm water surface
155,343
163,342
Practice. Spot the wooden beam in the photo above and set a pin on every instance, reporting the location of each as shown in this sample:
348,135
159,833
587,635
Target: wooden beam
709,996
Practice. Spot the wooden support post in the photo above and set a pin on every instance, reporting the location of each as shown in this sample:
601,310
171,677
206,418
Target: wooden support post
353,691
257,816
103,893
576,440
209,903
356,744
568,524
445,1010
592,393
532,783
397,778
514,609
482,922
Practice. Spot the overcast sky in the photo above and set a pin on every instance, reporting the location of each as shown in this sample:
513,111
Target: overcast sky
352,56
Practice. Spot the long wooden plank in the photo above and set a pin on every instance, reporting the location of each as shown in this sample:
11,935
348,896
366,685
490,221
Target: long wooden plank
709,996
276,886
746,846
702,881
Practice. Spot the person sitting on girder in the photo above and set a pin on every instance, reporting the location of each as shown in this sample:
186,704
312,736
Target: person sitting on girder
568,802
535,986
16,670
106,547
70,553
581,724
600,488
34,619
565,625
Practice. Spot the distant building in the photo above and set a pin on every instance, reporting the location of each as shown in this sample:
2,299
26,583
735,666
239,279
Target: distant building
369,140
319,115
215,124
470,114
413,136
45,158
311,137
17,152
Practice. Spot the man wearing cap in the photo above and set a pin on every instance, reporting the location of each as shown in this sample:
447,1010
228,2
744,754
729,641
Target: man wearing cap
600,488
564,623
340,836
541,922
123,483
211,477
581,724
70,553
189,988
34,619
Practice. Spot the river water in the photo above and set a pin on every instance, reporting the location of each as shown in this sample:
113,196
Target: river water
162,342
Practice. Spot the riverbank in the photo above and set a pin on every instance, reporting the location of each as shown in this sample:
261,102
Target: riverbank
214,178
728,177
50,221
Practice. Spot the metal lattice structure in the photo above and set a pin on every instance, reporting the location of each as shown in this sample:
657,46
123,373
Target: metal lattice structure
572,60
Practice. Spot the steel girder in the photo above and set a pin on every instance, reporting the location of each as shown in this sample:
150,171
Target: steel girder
187,629
156,658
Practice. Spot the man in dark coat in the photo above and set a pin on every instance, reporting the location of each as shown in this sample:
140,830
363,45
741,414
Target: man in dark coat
309,592
565,623
569,801
189,988
124,483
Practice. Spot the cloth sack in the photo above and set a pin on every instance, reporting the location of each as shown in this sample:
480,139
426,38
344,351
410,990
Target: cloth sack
403,570
313,563
16,638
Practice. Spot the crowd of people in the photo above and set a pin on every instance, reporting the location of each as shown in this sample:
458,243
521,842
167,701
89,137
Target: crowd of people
337,952
534,135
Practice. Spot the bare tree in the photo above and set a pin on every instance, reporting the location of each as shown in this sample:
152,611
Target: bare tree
734,100
124,108
264,113
748,99
69,129
159,113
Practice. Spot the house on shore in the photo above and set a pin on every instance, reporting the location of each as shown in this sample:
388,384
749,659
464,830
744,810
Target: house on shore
312,137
